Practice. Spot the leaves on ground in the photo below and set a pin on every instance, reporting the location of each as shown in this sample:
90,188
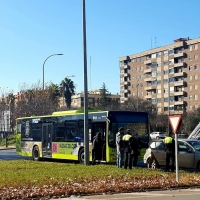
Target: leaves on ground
45,180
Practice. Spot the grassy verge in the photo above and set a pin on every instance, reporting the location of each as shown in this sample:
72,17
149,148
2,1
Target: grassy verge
53,179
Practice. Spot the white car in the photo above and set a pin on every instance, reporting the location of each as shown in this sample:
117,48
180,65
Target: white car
157,135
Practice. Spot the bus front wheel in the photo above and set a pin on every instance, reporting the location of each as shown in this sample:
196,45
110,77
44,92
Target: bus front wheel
36,153
81,156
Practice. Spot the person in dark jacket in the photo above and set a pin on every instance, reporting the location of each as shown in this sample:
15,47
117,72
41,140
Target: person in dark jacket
170,151
136,148
97,148
129,144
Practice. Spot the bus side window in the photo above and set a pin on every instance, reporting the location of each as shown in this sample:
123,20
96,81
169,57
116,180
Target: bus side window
60,134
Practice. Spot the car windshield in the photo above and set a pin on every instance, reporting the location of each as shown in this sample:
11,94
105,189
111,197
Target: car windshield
195,144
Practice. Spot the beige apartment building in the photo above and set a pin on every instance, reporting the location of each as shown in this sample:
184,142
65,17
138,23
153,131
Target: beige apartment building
93,98
168,76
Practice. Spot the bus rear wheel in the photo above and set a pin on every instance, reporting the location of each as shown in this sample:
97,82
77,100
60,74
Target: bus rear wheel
36,153
81,156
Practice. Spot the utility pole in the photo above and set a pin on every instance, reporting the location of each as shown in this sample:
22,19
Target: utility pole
86,127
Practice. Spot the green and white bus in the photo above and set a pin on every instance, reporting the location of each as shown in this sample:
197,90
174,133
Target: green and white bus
61,135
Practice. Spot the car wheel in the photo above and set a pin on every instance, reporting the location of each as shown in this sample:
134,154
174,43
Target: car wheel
81,156
152,163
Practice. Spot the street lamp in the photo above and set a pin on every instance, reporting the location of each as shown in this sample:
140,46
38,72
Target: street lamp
59,54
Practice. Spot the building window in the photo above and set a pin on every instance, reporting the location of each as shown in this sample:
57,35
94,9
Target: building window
121,87
165,53
137,69
196,46
158,55
196,77
190,87
122,72
159,64
158,100
166,99
195,67
141,59
196,87
171,52
154,74
133,78
158,73
153,64
196,107
190,98
196,57
165,63
141,93
190,78
133,86
153,101
121,79
133,61
190,107
165,90
133,69
159,91
190,47
148,57
190,58
141,68
165,72
196,97
190,68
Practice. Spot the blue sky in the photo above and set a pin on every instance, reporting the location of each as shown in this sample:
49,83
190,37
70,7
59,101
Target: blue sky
32,30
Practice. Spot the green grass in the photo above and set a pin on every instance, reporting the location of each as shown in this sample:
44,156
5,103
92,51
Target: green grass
54,179
26,172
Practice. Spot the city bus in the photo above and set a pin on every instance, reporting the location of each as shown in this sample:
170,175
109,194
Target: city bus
61,135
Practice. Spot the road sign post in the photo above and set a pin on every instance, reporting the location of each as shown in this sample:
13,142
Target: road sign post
175,123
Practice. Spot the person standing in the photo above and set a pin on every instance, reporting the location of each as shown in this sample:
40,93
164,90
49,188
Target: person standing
137,148
120,147
170,151
128,149
97,148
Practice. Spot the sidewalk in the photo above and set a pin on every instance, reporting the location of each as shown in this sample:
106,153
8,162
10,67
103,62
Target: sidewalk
7,148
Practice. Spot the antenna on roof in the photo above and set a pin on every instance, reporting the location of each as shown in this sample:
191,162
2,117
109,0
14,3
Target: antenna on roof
90,75
155,41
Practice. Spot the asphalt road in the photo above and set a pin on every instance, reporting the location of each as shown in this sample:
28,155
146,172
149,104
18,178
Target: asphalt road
10,154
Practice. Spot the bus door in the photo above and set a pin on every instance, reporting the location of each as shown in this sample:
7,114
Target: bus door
47,129
100,127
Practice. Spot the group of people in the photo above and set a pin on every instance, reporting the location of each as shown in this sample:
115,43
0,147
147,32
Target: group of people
128,146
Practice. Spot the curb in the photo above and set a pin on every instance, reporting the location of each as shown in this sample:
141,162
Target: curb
7,148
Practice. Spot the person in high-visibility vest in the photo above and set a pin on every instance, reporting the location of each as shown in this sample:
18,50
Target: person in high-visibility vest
128,149
170,151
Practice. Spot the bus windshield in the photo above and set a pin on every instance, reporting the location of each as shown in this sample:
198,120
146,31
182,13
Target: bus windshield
136,122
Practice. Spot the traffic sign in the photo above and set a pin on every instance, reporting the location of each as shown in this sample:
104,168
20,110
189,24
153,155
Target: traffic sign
174,121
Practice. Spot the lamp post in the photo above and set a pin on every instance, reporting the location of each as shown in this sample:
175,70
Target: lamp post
59,54
86,125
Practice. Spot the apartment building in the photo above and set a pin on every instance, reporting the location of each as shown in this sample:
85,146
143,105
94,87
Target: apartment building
168,76
93,98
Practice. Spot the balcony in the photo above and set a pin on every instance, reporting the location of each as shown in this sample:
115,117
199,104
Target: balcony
180,64
147,70
126,74
147,79
179,74
126,66
179,102
181,54
178,93
179,83
148,96
149,87
147,61
126,83
126,91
